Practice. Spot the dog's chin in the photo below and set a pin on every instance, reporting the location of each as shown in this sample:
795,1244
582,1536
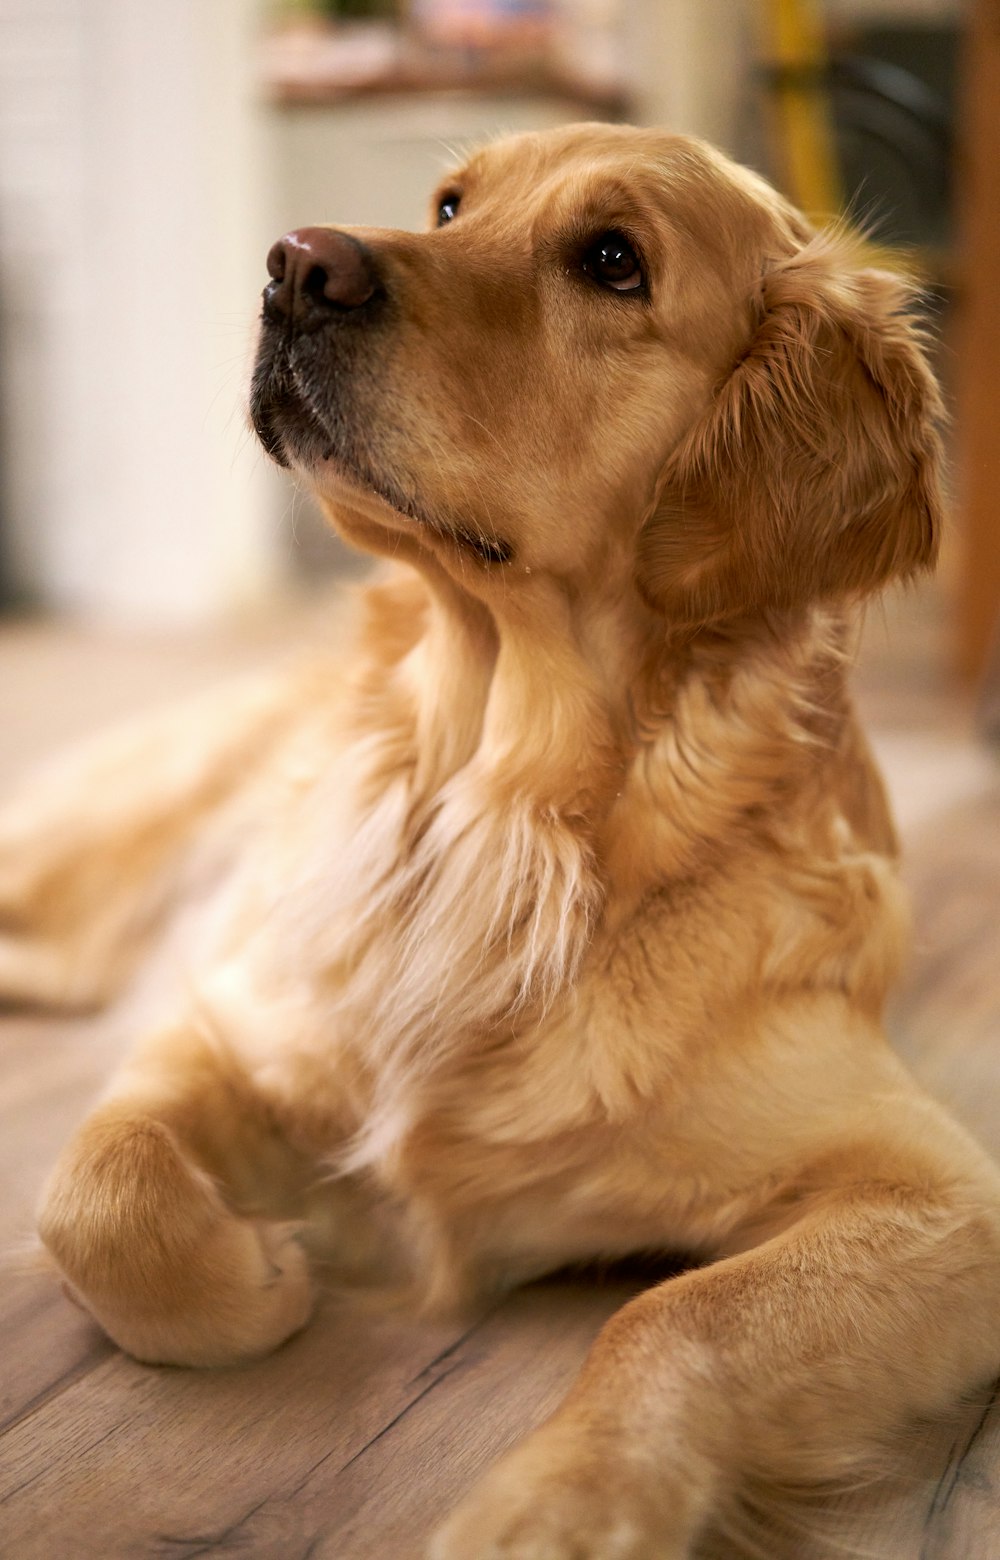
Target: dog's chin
295,436
289,432
374,500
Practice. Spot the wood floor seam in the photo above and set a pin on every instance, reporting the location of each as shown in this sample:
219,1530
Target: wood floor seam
443,1376
949,1480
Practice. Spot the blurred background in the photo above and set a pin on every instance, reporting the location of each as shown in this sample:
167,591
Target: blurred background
151,150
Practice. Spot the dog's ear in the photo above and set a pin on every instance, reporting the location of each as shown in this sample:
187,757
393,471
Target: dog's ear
816,470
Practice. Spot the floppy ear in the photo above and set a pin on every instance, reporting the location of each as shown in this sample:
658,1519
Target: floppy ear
816,470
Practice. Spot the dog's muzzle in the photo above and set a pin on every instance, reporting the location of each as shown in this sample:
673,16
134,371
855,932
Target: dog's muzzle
325,295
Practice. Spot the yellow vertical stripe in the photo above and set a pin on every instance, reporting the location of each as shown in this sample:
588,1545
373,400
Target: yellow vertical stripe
794,47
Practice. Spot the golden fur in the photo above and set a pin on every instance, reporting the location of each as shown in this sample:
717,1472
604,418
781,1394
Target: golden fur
554,921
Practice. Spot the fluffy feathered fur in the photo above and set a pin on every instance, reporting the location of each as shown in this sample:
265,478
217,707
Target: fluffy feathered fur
554,918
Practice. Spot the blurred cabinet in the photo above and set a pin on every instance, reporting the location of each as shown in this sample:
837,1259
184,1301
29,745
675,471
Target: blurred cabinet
374,161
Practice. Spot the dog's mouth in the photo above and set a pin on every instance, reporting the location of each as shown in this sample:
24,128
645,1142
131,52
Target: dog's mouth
295,430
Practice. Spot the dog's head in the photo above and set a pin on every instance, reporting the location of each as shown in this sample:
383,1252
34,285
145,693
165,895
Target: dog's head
615,356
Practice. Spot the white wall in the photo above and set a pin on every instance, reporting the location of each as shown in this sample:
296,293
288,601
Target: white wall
133,223
40,72
687,62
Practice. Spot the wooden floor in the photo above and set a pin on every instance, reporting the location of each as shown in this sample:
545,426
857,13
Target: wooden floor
351,1441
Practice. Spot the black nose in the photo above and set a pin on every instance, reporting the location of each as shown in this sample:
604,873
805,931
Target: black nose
318,273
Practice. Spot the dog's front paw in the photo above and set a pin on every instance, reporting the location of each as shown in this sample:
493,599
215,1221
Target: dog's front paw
556,1497
148,1246
252,1292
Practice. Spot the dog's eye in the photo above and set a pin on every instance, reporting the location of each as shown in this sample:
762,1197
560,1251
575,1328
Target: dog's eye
448,208
612,261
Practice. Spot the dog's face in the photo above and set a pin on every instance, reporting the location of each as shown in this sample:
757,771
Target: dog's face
615,356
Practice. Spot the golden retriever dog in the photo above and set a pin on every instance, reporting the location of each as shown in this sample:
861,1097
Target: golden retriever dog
553,921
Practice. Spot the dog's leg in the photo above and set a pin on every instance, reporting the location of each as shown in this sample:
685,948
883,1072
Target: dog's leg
142,1211
93,850
873,1295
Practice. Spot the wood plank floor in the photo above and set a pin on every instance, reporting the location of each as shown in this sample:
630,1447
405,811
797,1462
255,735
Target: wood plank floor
352,1441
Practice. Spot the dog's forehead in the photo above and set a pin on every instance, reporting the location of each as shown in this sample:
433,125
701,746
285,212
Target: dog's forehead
671,175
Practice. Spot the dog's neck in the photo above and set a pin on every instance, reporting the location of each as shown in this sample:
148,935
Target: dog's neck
573,699
519,771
